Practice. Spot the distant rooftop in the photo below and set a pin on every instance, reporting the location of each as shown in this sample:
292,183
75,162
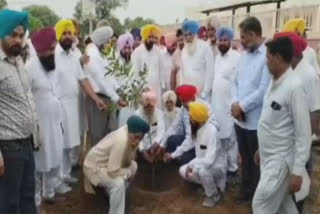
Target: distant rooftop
220,6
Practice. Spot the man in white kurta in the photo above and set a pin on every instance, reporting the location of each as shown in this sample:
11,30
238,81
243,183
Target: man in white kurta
283,133
225,72
44,89
208,167
70,77
168,59
148,56
110,164
104,86
154,117
213,24
197,61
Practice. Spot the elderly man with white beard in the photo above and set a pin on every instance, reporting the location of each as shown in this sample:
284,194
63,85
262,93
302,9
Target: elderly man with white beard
213,25
197,61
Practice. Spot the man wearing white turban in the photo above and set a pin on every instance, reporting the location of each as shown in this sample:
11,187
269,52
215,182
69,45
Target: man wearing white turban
105,87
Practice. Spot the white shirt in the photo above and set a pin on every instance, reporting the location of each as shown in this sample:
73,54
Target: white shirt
96,71
157,128
310,55
69,73
311,83
198,69
225,74
168,67
207,145
153,61
284,127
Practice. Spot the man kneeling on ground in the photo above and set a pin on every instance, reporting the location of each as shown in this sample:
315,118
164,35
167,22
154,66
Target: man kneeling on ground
110,164
209,166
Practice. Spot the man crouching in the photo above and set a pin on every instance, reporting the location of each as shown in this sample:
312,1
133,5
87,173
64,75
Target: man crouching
110,164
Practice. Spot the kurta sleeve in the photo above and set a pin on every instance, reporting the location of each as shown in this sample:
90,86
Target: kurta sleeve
98,77
234,88
211,140
163,73
187,143
209,72
256,98
302,126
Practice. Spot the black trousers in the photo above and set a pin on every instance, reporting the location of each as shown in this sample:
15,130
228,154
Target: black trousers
174,142
17,185
248,145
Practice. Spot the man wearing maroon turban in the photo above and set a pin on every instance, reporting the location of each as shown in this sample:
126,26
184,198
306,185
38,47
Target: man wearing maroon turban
44,87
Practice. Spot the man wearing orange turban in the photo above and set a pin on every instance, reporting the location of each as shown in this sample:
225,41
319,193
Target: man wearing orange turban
209,166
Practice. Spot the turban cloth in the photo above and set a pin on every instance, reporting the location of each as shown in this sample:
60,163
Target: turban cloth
136,33
43,39
147,30
125,39
170,39
299,44
149,98
169,96
296,26
64,25
225,32
198,112
213,22
101,35
186,93
190,26
137,125
202,33
10,20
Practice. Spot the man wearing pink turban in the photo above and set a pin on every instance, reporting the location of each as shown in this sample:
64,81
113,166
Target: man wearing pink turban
44,85
125,47
149,146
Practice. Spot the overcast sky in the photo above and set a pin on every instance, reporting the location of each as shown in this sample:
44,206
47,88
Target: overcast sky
162,11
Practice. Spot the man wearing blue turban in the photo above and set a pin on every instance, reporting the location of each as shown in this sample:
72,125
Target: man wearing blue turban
197,60
225,72
136,33
18,120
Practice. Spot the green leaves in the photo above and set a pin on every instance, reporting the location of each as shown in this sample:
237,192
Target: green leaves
132,85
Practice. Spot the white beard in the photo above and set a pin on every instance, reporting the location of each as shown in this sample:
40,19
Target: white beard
191,47
171,115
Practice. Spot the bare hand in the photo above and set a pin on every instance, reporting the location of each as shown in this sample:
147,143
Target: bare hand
101,104
122,103
167,157
84,60
295,183
2,169
189,173
147,157
237,112
257,158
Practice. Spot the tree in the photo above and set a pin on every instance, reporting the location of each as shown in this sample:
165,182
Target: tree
105,7
44,14
116,25
34,24
138,22
3,4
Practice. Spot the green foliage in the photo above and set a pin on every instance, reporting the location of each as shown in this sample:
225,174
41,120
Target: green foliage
104,8
3,4
116,25
34,24
132,85
44,14
138,22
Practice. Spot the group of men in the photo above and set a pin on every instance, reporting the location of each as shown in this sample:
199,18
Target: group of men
259,103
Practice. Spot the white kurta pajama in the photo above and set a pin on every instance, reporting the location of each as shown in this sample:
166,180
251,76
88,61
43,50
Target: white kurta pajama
310,56
110,164
153,61
168,67
198,69
99,121
209,165
157,128
284,144
69,74
221,101
49,157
